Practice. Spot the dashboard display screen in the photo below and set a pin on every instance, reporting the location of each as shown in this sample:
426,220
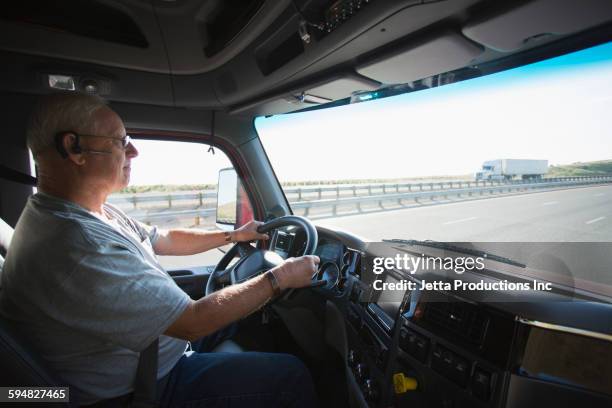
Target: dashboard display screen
328,252
283,241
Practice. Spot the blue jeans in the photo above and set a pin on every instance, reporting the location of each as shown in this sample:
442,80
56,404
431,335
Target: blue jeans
231,380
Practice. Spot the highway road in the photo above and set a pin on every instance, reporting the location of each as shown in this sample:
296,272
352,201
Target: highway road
574,215
568,233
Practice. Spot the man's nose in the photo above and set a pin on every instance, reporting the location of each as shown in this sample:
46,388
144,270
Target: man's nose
131,151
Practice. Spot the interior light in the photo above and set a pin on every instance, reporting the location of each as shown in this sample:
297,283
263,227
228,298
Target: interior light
62,82
360,96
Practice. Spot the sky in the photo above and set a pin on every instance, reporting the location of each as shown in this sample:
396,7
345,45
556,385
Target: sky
188,163
557,110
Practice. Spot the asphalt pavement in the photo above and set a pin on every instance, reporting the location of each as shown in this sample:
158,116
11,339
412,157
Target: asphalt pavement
574,215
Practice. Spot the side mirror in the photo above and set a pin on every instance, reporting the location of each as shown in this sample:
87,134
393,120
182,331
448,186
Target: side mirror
233,206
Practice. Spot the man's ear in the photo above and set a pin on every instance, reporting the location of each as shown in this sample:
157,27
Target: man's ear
70,148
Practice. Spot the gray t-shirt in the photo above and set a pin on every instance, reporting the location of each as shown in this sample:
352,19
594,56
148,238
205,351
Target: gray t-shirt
89,295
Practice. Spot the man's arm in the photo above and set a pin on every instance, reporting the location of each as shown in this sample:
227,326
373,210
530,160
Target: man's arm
193,241
223,307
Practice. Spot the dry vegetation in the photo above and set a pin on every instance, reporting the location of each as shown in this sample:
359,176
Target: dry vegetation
603,167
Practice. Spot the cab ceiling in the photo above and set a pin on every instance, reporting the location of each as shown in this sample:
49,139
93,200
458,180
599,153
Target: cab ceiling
267,56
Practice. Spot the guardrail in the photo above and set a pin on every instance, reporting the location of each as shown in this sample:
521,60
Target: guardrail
137,199
307,198
388,188
432,194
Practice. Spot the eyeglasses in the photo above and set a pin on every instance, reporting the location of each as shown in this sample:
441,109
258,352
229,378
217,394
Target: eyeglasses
125,141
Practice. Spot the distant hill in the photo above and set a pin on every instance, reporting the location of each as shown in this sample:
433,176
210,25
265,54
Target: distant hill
595,168
167,188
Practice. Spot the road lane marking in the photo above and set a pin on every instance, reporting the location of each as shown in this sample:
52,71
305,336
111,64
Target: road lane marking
461,220
594,220
551,203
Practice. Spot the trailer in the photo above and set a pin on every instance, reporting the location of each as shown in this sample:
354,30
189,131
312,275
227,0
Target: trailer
507,169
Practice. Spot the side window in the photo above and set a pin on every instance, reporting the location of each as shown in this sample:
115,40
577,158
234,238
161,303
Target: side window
174,185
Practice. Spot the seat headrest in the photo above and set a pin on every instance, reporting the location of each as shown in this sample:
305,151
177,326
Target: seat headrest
6,234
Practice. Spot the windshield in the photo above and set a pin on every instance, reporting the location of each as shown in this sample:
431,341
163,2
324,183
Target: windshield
521,155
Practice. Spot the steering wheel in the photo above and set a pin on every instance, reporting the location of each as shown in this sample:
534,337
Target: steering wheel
255,261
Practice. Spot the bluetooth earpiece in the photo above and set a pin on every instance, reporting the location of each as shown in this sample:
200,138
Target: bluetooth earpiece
76,145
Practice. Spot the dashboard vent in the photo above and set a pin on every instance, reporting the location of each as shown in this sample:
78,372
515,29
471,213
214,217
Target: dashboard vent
352,260
461,319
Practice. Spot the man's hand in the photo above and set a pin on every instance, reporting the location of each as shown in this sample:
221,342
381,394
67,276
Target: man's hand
296,272
212,312
248,232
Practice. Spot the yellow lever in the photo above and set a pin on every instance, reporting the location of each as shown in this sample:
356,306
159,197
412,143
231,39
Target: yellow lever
403,384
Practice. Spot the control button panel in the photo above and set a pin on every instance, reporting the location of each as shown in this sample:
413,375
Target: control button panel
370,390
414,344
451,365
481,384
341,11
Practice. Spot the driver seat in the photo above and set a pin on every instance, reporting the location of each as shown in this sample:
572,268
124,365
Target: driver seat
23,367
20,365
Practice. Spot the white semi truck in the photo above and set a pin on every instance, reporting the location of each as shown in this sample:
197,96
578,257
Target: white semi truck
506,169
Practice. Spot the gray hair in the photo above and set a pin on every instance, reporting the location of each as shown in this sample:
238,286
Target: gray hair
61,112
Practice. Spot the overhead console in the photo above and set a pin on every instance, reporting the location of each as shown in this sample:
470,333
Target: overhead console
313,21
323,41
405,42
260,57
203,36
327,15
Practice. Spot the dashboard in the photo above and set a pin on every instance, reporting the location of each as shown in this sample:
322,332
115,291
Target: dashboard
432,348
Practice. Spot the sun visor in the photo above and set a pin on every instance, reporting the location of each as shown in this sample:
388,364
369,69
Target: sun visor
436,55
320,93
512,29
288,103
342,88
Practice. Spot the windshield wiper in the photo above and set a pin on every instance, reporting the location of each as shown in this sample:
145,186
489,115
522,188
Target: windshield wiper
457,248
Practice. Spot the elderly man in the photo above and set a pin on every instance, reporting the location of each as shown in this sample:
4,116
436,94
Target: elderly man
83,283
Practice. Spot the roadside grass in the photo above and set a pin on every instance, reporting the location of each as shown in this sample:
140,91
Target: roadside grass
596,168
